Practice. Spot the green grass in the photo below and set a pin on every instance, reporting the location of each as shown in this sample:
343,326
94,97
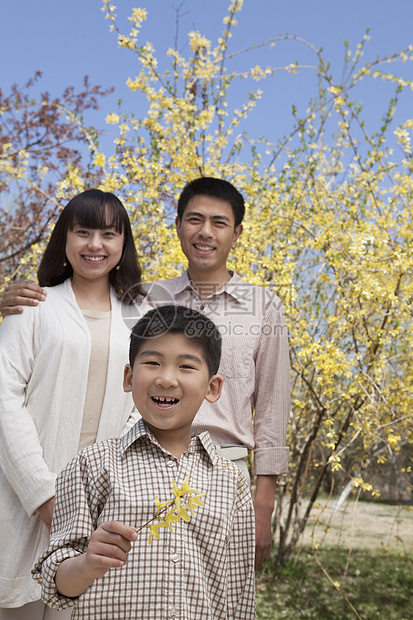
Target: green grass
379,586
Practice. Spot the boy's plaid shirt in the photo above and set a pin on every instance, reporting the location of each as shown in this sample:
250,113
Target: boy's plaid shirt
205,570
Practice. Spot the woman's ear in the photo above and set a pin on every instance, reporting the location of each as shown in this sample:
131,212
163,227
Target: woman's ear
214,388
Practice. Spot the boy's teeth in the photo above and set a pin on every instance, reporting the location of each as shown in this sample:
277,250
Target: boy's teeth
163,399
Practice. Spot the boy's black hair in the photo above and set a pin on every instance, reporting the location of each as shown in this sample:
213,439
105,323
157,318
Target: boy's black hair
196,327
94,209
217,188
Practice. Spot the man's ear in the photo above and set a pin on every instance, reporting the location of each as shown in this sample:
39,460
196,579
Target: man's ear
127,378
214,389
178,226
237,232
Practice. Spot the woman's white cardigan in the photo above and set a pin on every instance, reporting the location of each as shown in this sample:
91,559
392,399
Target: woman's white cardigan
44,363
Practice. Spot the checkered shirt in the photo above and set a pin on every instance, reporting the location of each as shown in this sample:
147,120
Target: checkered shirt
205,570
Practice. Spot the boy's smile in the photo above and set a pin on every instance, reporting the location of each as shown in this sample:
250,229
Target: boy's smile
163,402
169,381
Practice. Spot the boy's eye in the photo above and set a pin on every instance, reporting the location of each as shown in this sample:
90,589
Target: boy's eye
151,363
188,366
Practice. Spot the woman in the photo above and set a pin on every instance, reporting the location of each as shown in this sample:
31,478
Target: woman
61,369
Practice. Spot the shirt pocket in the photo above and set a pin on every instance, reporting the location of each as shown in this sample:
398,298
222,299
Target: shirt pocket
237,360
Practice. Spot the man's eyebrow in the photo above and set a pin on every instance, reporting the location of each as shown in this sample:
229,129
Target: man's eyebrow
212,217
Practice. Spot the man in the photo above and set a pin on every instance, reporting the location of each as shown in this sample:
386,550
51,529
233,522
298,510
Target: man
255,404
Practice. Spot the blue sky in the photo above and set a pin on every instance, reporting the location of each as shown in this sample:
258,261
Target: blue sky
67,40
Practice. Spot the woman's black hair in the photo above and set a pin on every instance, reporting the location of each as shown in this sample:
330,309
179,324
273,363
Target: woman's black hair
93,209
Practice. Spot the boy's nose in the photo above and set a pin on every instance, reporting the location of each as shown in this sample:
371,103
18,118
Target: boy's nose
166,379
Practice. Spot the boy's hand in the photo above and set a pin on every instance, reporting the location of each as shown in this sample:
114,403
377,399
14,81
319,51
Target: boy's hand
24,293
108,548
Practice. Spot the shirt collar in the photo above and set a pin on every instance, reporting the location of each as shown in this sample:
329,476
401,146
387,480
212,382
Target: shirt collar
204,440
139,430
233,287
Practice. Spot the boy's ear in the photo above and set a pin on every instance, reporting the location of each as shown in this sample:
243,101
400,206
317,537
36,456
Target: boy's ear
127,378
214,389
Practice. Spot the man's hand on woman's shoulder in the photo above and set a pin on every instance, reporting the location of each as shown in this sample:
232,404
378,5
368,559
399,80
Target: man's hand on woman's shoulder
21,294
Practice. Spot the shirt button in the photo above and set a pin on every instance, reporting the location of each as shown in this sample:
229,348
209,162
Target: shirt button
175,558
173,612
170,464
202,307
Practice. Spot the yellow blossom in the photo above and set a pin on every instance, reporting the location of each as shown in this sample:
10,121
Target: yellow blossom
99,159
173,510
112,118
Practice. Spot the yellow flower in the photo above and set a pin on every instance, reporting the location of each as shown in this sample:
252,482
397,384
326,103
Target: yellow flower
112,118
173,510
194,502
393,439
154,533
99,160
184,490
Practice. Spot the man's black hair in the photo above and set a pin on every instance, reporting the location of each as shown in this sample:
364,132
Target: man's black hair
171,319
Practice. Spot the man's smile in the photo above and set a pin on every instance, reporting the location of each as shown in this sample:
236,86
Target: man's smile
203,248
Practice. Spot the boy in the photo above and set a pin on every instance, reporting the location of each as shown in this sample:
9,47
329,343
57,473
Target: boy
205,569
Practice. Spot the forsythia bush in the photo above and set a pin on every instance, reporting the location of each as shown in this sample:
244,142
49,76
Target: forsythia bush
328,228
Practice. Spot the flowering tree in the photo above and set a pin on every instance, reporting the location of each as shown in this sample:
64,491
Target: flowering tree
41,142
328,228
